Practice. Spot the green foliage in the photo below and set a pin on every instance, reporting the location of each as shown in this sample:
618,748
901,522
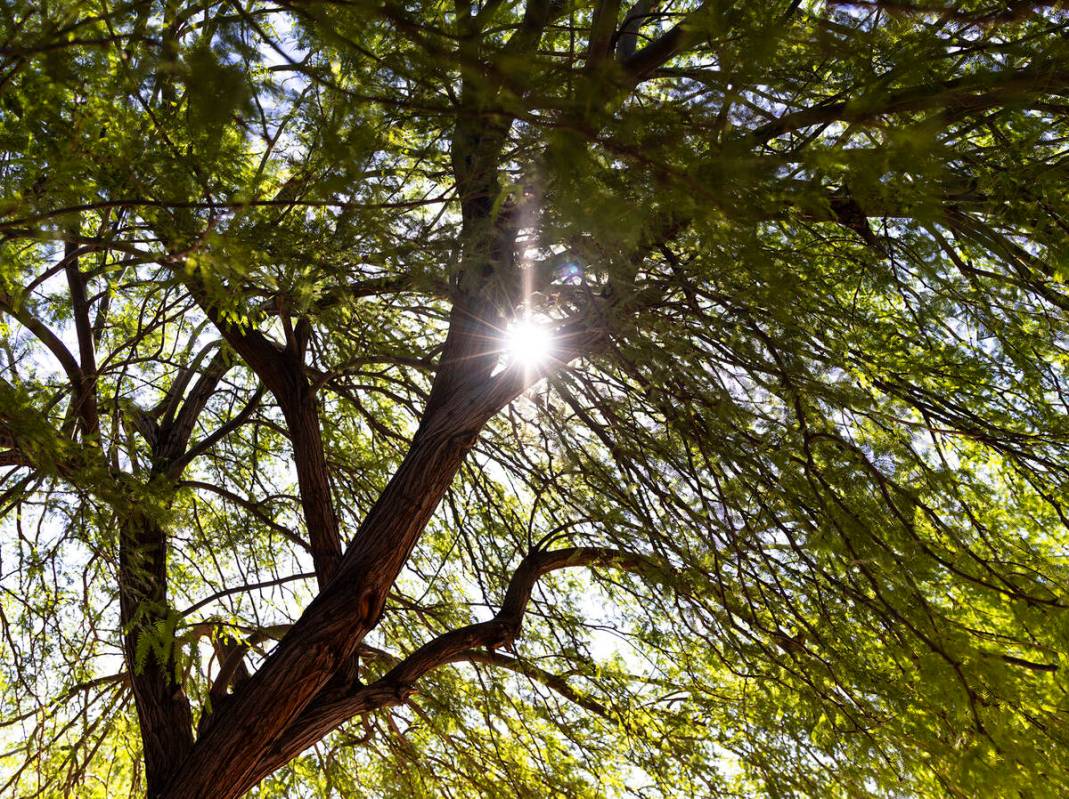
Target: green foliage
824,248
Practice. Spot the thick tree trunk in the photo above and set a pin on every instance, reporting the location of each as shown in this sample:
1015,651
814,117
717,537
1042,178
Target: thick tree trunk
327,635
163,710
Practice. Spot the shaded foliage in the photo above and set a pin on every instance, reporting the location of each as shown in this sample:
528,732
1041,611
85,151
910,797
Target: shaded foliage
783,515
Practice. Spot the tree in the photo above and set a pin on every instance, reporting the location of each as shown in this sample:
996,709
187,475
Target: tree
779,508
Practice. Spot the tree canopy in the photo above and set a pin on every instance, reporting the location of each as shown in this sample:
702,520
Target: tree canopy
550,398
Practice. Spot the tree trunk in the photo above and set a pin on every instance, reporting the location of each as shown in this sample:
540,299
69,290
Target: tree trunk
162,707
228,756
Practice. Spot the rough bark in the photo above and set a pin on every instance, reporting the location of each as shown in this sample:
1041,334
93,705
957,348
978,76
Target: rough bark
316,653
328,634
163,710
470,643
164,713
282,371
313,479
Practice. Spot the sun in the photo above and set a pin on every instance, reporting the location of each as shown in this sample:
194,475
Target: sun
528,343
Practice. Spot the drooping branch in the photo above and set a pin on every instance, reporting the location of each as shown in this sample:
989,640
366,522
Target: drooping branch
250,506
17,310
964,95
552,681
476,642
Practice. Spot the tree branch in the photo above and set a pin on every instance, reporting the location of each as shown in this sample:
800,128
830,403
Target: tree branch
966,94
85,397
282,371
176,466
657,53
602,29
394,688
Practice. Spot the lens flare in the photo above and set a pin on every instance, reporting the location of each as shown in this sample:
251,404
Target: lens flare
528,344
